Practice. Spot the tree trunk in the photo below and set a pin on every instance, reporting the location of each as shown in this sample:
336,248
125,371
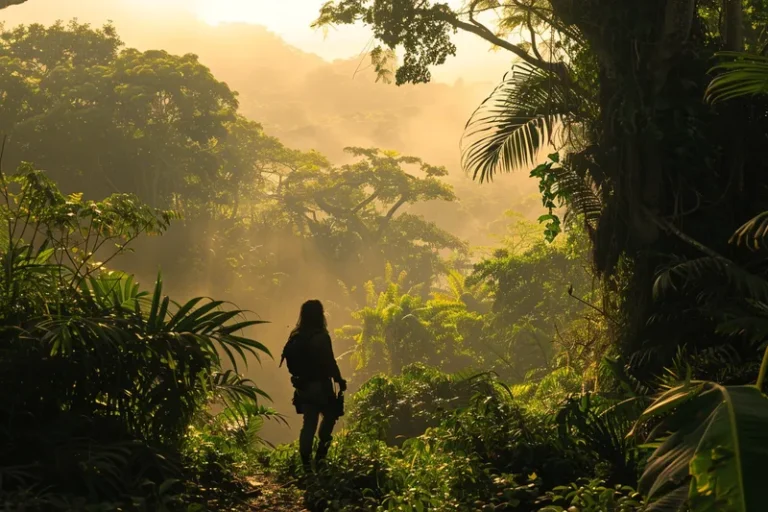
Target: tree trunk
733,27
733,35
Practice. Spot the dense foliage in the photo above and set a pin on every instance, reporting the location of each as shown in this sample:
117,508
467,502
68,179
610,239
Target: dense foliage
100,380
614,362
101,118
457,442
649,165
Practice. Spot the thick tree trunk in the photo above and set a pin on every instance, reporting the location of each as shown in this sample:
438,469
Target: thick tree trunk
733,29
733,35
639,45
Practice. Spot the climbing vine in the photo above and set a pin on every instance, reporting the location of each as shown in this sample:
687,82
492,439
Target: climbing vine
552,196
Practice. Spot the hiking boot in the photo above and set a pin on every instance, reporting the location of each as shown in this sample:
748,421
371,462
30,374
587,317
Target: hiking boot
322,450
306,465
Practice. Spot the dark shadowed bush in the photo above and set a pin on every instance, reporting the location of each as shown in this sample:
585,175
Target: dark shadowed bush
100,381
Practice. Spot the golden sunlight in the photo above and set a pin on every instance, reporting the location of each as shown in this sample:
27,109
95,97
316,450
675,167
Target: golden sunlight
281,16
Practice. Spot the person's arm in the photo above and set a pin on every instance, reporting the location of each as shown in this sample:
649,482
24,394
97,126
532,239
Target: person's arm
330,362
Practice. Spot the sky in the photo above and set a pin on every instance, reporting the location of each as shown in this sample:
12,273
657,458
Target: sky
290,19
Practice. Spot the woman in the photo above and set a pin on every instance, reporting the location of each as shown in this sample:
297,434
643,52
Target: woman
313,367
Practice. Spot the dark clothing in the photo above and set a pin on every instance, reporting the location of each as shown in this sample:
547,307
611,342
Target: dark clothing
312,415
316,360
318,392
314,369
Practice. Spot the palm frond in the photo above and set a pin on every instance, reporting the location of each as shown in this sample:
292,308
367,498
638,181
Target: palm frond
752,233
753,327
248,433
744,75
514,123
237,393
581,197
612,367
696,272
114,291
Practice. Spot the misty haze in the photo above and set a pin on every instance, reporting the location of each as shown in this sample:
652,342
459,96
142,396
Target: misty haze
406,255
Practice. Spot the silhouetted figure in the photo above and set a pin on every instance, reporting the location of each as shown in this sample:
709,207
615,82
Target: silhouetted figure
310,360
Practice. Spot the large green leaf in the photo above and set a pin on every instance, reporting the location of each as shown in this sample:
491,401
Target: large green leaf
711,445
744,75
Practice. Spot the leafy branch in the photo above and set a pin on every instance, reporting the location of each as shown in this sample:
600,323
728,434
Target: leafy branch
552,196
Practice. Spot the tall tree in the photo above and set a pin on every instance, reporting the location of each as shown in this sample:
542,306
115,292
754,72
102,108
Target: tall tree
357,213
658,170
102,119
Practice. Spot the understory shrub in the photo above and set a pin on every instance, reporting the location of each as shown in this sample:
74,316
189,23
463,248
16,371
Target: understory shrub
593,496
100,380
475,449
394,409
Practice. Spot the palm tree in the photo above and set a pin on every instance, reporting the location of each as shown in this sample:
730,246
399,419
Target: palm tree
701,417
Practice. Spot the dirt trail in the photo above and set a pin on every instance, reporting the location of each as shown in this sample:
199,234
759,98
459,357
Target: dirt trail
268,495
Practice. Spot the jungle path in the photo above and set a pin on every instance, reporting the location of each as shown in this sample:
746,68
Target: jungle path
267,495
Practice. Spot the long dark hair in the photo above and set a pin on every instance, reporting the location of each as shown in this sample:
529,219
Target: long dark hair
311,318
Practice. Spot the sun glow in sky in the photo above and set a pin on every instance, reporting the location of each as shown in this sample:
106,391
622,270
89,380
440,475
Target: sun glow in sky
288,14
289,19
281,15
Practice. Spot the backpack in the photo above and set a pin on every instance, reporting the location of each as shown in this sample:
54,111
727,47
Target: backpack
293,353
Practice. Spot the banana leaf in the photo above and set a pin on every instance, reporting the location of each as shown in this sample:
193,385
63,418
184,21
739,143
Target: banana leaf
711,444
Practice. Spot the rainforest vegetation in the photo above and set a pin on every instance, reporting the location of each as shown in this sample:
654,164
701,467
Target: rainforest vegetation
607,356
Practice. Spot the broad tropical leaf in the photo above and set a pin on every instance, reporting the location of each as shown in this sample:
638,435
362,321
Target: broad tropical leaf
744,75
712,441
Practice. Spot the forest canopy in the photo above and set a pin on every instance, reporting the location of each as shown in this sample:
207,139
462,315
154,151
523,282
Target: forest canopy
609,356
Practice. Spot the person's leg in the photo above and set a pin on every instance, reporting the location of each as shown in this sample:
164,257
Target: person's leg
307,435
325,434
